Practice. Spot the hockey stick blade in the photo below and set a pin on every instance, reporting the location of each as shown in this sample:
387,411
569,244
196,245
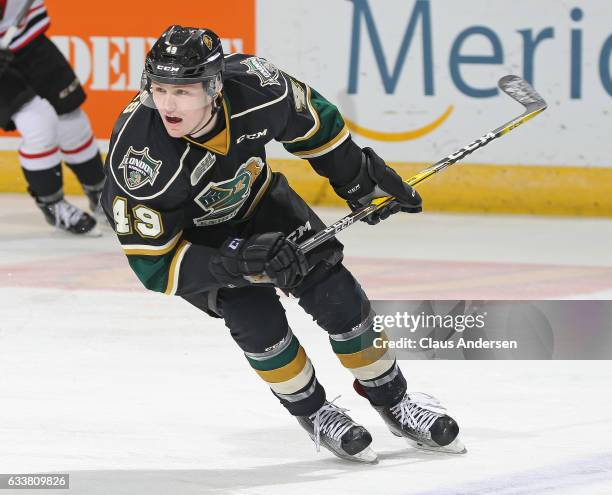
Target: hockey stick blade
515,87
520,90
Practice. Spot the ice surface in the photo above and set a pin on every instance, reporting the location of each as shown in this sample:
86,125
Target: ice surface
135,392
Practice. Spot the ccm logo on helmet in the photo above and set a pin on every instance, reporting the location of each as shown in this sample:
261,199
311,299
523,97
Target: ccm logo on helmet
167,68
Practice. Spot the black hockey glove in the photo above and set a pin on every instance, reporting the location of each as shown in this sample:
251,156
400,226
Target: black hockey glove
376,179
6,57
270,254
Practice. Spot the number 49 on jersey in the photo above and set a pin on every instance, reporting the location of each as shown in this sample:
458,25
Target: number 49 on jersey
144,220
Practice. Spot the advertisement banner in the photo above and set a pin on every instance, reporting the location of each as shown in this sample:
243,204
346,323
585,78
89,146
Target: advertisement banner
107,48
417,79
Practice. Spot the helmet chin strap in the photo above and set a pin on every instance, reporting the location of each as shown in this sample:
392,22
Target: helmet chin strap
216,108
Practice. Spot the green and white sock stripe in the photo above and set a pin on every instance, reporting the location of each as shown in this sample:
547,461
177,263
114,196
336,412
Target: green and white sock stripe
356,331
285,367
276,356
357,352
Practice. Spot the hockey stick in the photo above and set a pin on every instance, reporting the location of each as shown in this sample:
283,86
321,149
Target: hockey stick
515,87
10,32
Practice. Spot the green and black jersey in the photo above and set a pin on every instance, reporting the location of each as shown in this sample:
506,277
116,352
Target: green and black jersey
172,201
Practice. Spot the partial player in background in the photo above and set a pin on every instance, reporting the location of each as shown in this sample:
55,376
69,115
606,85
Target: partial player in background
201,215
40,96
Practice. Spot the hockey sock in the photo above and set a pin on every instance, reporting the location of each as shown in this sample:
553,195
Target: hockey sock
45,185
364,353
89,173
386,390
287,370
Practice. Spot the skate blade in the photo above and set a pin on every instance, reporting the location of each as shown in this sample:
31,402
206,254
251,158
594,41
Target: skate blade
95,232
367,455
455,447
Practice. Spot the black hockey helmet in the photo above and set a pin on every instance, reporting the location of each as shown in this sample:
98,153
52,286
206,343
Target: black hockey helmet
186,55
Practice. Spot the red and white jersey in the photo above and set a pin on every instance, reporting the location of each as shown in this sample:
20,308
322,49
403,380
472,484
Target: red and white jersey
34,23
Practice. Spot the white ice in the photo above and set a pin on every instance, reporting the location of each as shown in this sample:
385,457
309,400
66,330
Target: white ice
133,392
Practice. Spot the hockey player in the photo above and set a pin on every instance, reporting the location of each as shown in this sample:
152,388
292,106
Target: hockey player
200,215
40,96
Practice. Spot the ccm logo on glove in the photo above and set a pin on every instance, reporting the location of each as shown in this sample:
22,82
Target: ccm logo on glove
375,180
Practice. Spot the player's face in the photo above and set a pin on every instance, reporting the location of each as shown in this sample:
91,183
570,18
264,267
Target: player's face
183,108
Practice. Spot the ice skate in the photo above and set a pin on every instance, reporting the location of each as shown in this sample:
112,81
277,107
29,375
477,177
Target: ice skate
338,433
94,203
93,195
422,421
65,216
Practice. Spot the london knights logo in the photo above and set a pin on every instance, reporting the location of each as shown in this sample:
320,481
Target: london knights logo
139,168
222,200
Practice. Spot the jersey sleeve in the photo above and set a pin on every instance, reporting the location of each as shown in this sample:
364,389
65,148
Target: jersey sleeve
153,241
315,130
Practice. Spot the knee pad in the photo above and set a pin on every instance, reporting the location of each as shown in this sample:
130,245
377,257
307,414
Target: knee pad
37,123
336,301
254,315
76,139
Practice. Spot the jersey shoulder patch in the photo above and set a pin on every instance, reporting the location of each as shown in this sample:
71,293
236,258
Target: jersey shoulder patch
143,160
252,83
264,71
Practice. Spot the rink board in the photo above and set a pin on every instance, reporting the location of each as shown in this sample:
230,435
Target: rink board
476,188
414,80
